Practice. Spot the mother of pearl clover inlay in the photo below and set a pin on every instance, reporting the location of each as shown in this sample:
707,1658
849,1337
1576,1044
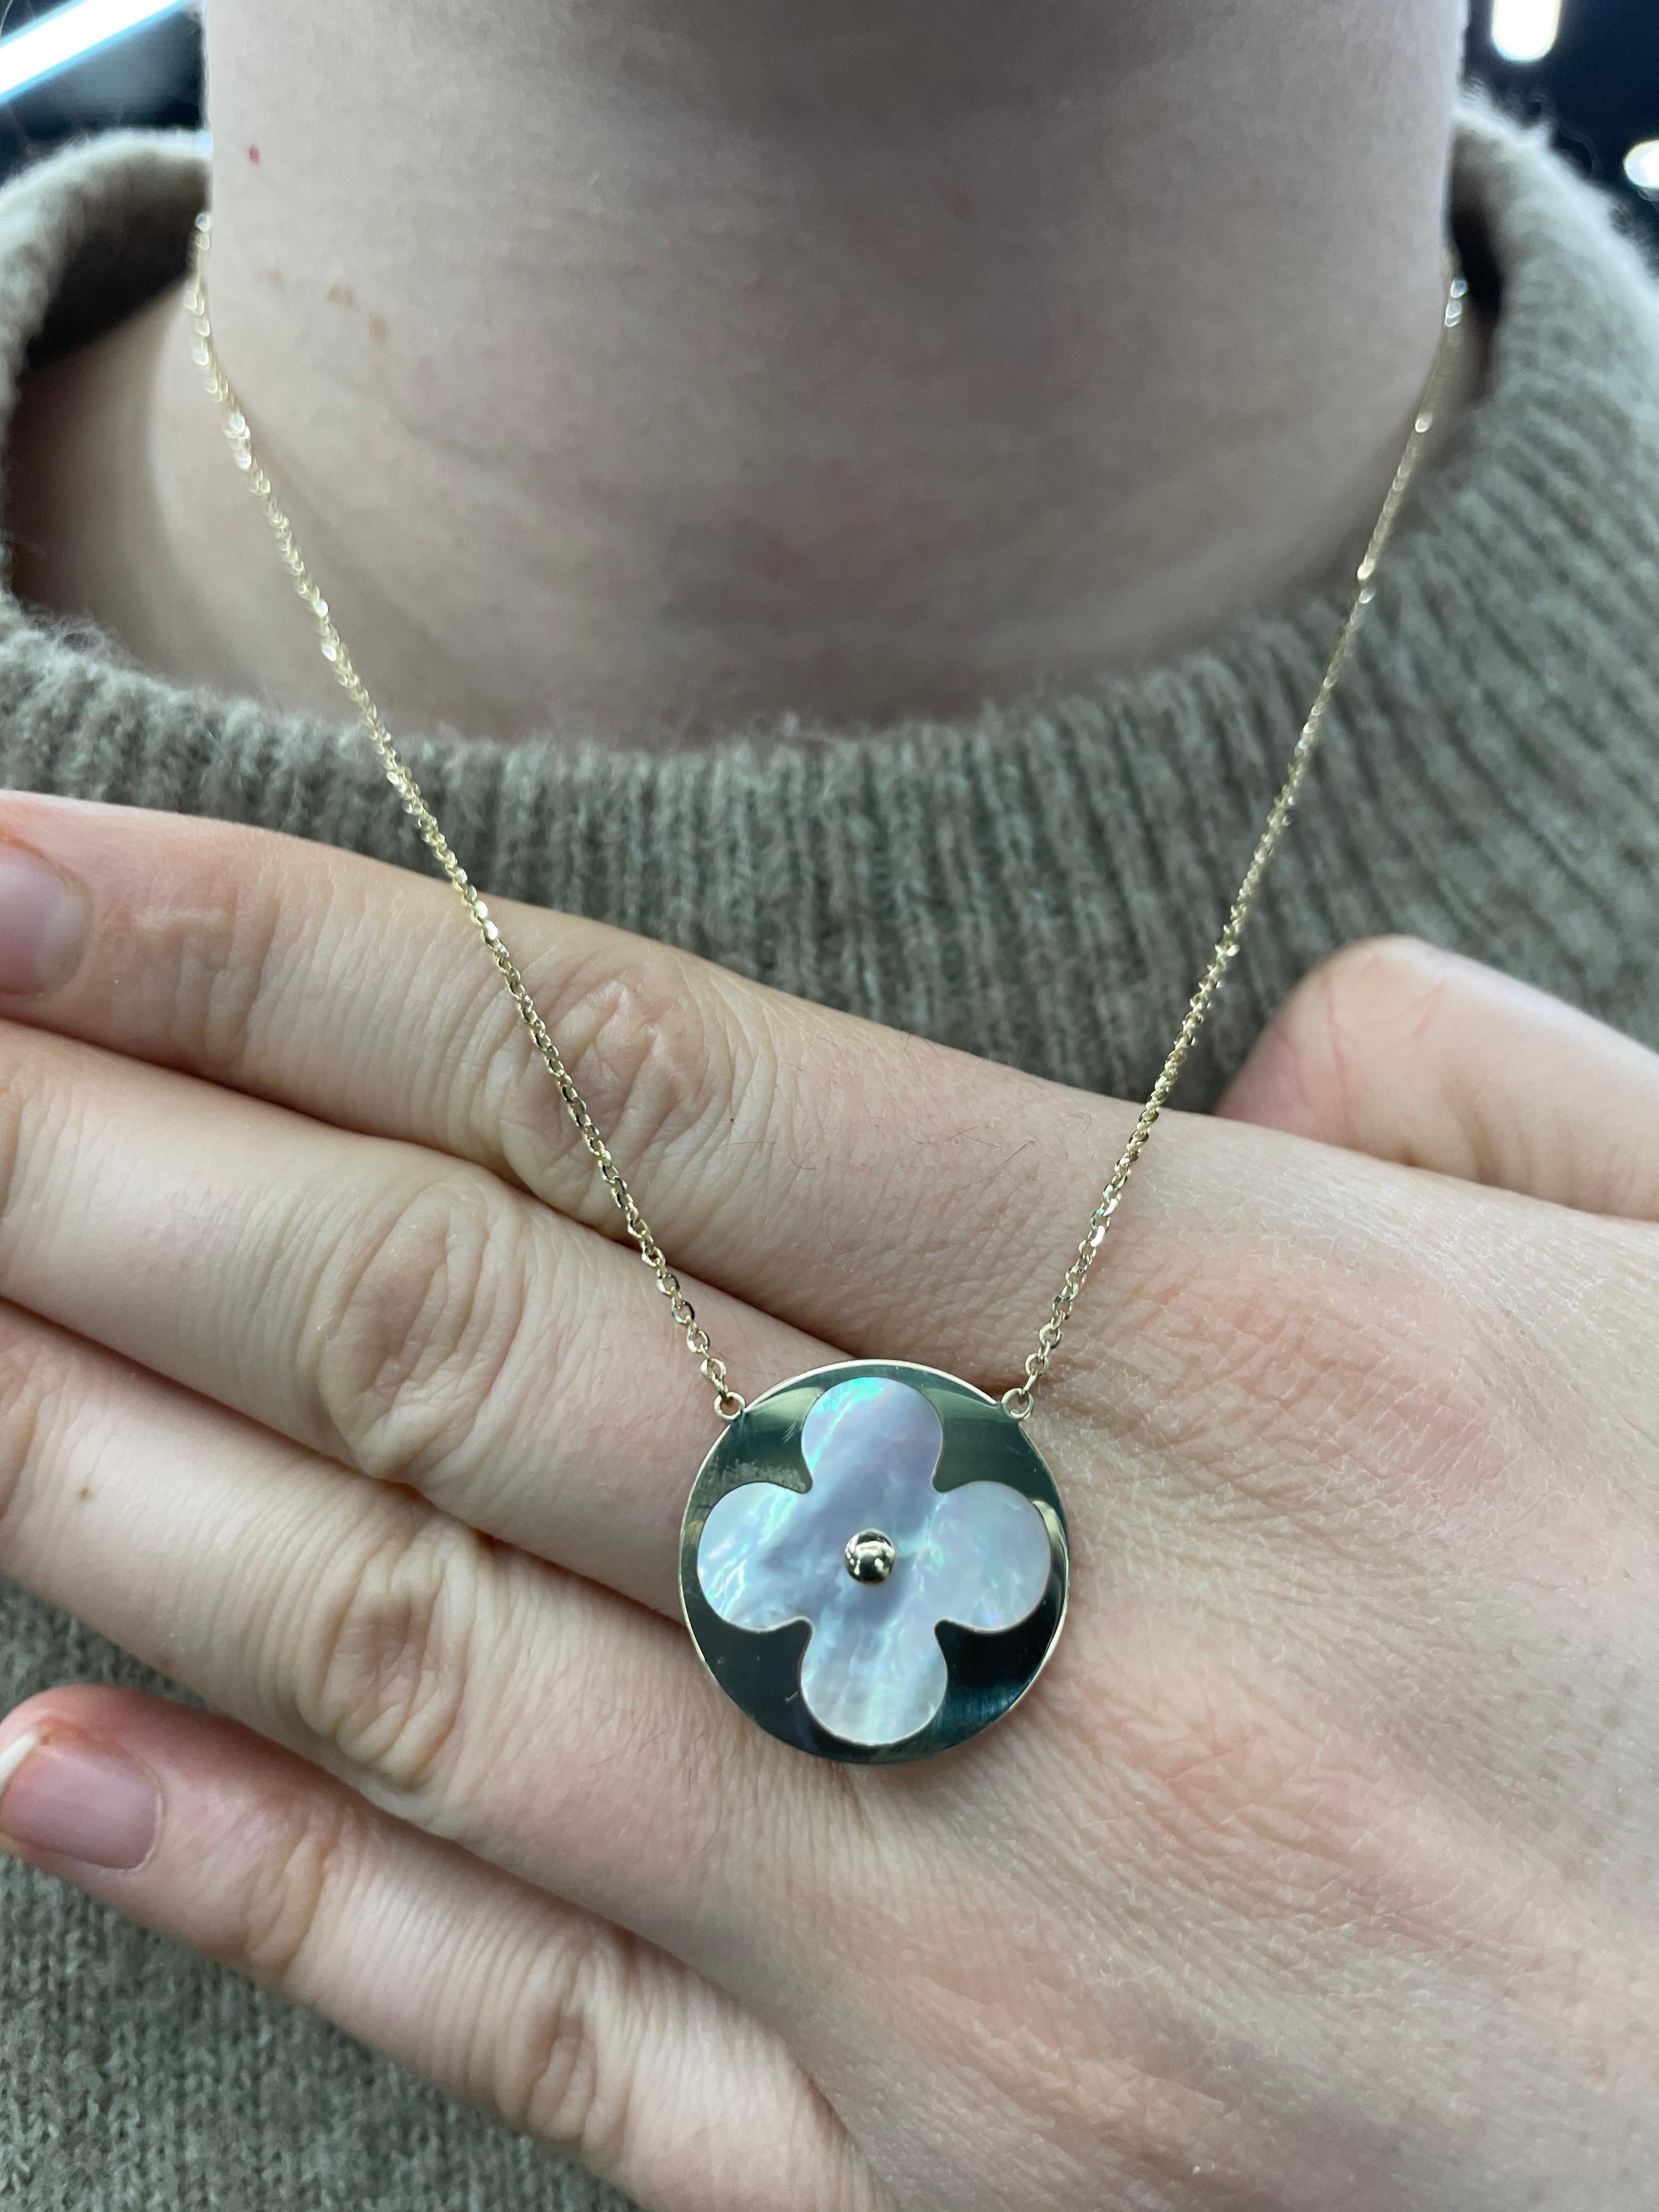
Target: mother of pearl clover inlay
872,1558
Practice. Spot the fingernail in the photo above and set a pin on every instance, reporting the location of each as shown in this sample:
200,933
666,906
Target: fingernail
43,923
78,1801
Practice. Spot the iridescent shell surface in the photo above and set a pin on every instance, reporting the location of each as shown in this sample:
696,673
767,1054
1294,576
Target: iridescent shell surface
979,1555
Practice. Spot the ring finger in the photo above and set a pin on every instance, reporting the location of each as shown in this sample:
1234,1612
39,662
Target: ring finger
555,1729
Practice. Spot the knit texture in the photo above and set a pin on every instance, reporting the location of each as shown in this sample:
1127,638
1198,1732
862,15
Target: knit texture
1040,886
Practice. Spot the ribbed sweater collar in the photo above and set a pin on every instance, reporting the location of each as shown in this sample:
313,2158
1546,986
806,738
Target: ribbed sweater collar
1041,883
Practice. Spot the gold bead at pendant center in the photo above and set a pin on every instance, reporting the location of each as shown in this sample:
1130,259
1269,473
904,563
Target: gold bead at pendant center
870,1556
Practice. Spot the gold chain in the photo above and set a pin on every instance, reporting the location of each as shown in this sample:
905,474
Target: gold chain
1018,1402
728,1402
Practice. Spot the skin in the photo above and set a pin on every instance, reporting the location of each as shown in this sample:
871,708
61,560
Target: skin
1317,1867
736,360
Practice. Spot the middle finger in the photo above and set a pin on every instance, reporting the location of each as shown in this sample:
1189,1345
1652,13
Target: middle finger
407,1314
861,1184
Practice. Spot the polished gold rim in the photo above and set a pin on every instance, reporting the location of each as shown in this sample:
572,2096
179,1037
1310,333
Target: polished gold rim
989,1674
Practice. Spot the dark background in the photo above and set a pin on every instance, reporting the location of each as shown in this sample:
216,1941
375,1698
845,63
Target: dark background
1598,86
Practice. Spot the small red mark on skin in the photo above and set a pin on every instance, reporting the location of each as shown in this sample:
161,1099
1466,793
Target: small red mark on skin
377,328
253,154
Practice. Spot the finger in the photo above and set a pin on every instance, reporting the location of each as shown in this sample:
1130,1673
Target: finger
865,1186
411,1316
1411,1053
555,1729
548,2017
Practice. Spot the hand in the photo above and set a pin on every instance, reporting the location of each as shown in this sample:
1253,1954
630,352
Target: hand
1318,1869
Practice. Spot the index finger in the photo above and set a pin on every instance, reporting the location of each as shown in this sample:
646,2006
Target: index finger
869,1186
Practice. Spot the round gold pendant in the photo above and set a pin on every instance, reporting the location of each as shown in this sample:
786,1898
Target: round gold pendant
873,1561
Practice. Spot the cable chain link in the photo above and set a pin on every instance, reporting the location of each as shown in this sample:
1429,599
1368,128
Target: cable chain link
728,1402
1020,1400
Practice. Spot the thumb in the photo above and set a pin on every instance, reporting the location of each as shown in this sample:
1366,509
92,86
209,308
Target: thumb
1397,1048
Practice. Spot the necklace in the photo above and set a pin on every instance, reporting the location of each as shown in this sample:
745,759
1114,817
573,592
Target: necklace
873,1560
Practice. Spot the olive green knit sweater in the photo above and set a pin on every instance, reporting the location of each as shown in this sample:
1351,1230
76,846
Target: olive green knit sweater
1039,884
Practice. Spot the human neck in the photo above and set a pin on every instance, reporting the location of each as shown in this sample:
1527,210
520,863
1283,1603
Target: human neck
645,367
